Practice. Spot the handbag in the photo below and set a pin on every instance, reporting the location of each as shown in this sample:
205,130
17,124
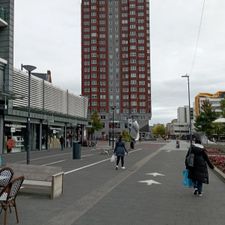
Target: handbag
187,182
189,161
113,158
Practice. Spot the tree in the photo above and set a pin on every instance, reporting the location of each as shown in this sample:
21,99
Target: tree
222,106
95,123
219,128
204,122
126,135
159,130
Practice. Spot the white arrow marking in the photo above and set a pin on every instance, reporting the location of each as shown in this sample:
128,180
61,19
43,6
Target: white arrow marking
155,174
149,182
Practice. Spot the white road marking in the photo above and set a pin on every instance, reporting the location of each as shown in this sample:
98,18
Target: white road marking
149,182
89,165
93,164
137,150
155,174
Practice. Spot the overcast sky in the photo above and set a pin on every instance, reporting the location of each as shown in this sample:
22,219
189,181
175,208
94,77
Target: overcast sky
47,35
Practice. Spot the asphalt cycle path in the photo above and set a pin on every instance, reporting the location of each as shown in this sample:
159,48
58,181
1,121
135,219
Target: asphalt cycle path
153,195
148,192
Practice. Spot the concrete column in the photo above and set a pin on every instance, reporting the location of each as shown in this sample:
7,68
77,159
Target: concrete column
40,136
65,130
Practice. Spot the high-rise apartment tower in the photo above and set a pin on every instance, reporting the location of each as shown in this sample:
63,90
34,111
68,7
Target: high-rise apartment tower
116,60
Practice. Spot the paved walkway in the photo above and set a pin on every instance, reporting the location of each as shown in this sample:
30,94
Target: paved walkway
148,192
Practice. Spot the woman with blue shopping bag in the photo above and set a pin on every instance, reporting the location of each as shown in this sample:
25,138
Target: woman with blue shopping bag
197,170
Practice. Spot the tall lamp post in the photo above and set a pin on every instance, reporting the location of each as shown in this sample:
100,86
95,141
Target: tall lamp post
29,69
113,108
189,108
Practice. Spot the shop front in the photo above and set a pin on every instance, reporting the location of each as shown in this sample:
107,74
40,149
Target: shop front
14,137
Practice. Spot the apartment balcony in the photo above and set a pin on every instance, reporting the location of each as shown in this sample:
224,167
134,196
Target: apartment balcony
3,16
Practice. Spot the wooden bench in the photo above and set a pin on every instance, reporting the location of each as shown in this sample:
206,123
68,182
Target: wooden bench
40,177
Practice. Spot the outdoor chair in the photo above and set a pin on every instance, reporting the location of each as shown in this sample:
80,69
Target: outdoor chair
6,175
8,197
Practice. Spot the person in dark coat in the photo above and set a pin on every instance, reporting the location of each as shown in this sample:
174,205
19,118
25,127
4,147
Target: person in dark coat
62,141
199,172
120,151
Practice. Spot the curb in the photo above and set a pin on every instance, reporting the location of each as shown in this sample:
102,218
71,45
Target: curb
219,173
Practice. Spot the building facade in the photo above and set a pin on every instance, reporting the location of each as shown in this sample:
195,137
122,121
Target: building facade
183,114
116,61
180,127
214,99
52,112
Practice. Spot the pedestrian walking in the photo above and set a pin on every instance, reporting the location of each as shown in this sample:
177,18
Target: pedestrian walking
120,151
177,143
198,173
132,143
62,141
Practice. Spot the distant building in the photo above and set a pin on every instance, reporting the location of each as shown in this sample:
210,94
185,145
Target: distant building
214,99
180,127
183,114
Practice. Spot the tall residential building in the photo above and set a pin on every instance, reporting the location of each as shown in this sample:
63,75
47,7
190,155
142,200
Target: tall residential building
116,60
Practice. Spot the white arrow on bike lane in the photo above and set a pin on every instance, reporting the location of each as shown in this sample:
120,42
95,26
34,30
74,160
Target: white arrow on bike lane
155,174
149,182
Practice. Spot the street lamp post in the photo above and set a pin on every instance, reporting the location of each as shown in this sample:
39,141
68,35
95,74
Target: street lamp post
29,69
113,108
189,108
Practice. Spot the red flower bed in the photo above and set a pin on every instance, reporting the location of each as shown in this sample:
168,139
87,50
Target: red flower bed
218,161
217,157
214,151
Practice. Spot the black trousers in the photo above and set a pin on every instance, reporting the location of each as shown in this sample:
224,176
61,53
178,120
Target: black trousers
118,160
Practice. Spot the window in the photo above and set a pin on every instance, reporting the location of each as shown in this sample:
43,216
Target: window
102,96
142,82
133,103
133,82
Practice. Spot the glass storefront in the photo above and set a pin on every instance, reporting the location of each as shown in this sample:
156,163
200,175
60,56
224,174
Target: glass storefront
14,137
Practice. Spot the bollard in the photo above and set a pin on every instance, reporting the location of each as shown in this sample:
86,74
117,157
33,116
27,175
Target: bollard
76,150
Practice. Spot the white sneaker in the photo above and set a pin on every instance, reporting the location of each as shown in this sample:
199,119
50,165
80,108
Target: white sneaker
195,191
123,167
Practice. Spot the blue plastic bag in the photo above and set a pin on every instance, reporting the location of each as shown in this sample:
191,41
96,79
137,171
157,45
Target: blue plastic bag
186,181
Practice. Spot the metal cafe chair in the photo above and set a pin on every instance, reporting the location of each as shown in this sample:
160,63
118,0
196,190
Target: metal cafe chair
8,197
6,175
